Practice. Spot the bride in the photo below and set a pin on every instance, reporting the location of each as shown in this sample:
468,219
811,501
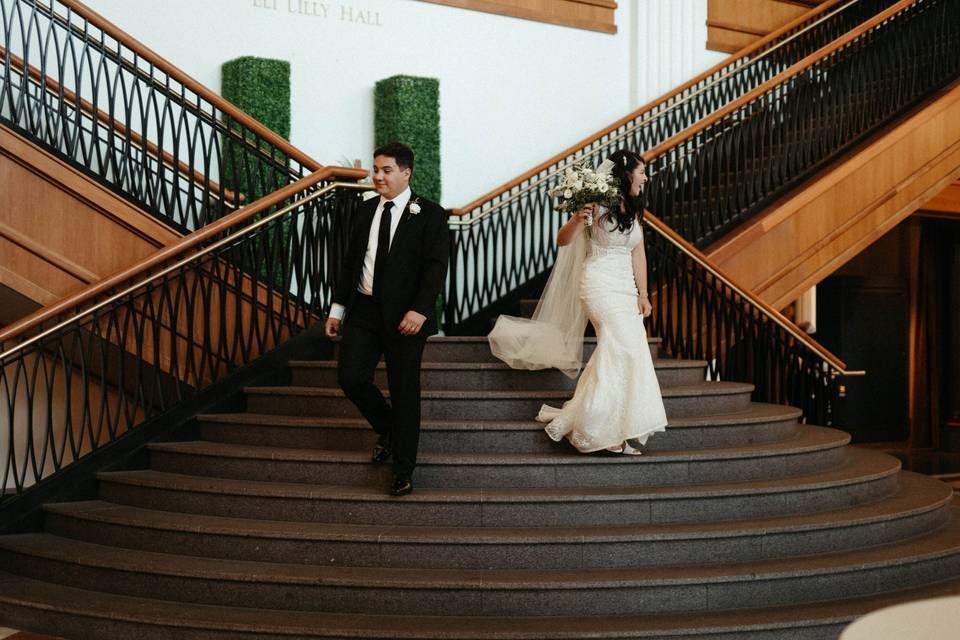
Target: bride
617,399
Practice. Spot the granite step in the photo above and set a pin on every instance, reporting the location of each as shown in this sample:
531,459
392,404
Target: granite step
492,592
759,423
863,477
477,348
94,615
700,399
490,376
919,506
814,449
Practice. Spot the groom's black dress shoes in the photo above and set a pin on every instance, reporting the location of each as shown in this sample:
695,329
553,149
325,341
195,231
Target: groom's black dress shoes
381,451
402,485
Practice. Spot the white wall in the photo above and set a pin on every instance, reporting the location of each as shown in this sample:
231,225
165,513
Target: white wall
513,92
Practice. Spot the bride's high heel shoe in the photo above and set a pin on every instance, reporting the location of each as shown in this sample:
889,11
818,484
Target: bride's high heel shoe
626,449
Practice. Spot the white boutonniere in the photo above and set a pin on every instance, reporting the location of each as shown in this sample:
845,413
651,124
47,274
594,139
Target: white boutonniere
415,206
369,195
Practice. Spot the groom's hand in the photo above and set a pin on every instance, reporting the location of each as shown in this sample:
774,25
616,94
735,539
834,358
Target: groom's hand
332,328
412,323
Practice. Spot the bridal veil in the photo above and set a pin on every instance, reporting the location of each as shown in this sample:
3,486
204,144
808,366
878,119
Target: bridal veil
553,337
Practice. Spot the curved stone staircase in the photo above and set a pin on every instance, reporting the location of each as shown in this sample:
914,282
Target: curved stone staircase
738,522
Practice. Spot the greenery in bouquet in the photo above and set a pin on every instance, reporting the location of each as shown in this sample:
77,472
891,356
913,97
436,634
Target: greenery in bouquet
582,184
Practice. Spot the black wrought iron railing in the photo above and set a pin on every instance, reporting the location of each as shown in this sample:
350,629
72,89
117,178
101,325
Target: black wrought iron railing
726,168
701,313
506,238
77,376
86,91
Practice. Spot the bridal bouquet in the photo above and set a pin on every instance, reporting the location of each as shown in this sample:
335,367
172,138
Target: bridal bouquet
584,185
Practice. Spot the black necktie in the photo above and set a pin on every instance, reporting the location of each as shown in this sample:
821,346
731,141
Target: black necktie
383,247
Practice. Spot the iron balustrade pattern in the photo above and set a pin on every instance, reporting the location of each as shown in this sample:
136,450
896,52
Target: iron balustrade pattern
502,243
727,171
95,102
700,315
80,381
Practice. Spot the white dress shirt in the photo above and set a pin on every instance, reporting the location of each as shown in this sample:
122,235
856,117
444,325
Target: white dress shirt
370,258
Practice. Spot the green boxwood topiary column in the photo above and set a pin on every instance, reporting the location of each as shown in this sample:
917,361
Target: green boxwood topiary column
261,88
407,109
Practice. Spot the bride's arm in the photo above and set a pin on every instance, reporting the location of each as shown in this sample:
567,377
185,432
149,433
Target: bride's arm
574,225
639,257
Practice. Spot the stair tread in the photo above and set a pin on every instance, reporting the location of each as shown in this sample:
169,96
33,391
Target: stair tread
918,494
811,438
485,340
49,597
861,466
758,412
692,390
658,363
942,542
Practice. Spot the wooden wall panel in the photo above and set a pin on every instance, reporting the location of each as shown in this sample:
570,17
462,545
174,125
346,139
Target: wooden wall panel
594,15
946,202
60,230
734,24
811,232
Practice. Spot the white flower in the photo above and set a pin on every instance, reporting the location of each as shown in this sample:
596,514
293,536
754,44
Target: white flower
568,194
602,186
414,208
588,221
367,195
578,185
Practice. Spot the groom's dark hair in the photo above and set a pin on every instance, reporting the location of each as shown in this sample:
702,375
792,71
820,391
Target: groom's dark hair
399,152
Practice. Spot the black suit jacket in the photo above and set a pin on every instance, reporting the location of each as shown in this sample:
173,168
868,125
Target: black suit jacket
416,265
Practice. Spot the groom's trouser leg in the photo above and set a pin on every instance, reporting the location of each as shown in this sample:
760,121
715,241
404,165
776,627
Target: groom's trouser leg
403,356
360,349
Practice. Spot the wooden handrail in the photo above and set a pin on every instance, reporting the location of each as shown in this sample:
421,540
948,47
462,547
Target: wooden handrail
183,78
778,79
184,244
54,87
749,49
681,243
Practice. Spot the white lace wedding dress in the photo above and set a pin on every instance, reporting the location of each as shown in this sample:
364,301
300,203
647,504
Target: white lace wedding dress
617,396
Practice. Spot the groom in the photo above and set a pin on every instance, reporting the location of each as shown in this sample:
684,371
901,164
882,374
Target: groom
395,266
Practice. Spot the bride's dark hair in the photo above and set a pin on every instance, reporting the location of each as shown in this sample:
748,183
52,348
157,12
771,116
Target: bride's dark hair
624,162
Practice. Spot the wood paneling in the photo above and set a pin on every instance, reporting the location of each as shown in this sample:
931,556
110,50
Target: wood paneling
60,230
594,15
734,24
809,233
946,202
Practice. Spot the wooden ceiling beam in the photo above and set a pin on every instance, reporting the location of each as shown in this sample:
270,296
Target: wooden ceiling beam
593,15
